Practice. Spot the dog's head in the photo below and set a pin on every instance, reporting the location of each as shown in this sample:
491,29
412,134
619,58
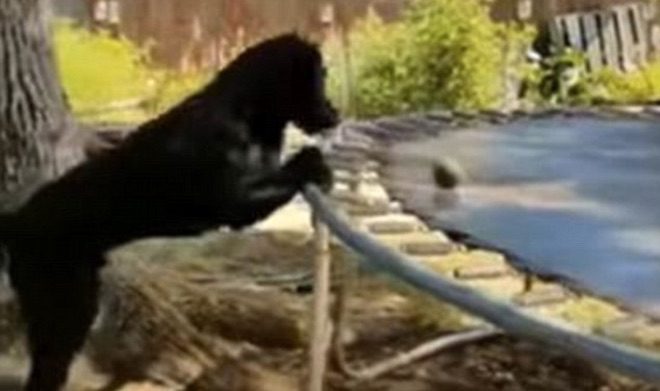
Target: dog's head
286,77
311,109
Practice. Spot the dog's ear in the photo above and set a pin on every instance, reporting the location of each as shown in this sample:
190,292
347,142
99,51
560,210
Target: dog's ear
299,36
307,60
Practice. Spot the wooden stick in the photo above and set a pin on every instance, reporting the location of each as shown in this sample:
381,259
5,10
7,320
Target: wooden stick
425,350
321,332
340,319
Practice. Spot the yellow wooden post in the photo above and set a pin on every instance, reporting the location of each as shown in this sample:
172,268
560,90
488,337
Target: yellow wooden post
334,18
321,325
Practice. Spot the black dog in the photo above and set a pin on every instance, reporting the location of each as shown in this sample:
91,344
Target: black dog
212,160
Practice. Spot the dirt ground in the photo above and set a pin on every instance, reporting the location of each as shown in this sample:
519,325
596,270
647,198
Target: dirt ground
381,324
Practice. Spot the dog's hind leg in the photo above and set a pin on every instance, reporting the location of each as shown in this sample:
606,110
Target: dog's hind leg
5,228
59,306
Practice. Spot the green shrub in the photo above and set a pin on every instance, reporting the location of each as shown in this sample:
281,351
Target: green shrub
443,53
98,70
559,79
635,87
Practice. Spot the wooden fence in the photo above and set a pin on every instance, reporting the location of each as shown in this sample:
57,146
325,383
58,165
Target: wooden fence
193,34
622,34
545,10
616,37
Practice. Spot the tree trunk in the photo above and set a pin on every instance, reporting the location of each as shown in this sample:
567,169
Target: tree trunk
36,133
35,124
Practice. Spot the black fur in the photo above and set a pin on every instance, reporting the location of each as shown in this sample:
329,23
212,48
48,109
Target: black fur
210,161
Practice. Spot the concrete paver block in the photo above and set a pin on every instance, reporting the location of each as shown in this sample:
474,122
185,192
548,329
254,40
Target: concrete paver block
545,296
483,272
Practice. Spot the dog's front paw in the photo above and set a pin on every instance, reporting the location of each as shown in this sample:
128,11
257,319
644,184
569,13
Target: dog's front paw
321,175
309,166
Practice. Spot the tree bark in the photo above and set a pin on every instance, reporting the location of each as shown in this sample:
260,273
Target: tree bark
35,124
33,114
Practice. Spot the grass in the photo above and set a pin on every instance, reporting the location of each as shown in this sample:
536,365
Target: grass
99,71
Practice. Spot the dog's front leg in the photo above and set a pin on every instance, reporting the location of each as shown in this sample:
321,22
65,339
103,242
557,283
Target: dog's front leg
260,195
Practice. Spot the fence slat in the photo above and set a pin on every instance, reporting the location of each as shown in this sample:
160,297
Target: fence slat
640,50
557,33
609,36
593,42
574,35
626,35
624,359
